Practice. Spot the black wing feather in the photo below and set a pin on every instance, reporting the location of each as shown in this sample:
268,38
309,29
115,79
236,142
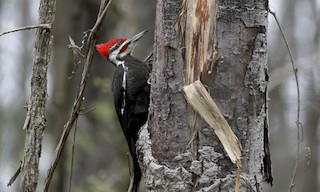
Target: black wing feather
132,103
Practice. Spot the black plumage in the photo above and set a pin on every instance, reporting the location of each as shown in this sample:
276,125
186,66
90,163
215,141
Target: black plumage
131,92
131,103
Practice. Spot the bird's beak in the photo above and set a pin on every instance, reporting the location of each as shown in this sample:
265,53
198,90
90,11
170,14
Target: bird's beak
130,43
138,36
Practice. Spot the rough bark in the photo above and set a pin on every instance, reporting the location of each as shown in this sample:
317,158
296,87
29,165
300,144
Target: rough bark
36,121
167,163
179,150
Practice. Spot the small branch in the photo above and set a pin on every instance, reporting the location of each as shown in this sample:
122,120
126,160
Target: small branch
79,98
16,174
45,26
299,127
130,173
27,120
87,111
72,156
148,57
100,17
76,50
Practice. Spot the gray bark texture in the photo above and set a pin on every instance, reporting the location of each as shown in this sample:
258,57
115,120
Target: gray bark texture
36,121
177,149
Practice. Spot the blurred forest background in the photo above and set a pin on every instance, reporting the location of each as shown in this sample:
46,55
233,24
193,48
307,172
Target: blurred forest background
100,153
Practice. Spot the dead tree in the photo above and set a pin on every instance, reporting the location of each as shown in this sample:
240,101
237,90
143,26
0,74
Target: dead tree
222,45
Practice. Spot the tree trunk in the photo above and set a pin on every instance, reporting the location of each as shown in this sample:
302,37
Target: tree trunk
179,150
36,121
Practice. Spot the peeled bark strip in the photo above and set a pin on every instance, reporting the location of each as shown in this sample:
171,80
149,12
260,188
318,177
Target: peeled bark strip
201,101
36,121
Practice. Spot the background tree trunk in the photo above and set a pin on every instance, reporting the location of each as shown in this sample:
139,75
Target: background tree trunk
36,119
179,150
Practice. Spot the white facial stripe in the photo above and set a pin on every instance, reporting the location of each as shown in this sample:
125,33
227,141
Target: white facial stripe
113,57
115,54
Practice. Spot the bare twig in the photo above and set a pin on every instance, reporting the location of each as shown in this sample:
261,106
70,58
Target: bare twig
130,173
102,13
14,177
129,166
79,98
148,57
87,111
45,26
298,123
76,50
72,155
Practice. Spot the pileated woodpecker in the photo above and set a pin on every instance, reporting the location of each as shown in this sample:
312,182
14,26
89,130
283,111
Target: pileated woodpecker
131,92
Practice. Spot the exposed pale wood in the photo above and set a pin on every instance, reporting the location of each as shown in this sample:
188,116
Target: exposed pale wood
200,38
197,96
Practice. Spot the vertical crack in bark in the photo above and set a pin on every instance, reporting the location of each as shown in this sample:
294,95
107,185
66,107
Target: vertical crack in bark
256,79
267,168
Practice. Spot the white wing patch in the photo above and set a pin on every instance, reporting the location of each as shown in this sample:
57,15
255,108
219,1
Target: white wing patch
124,84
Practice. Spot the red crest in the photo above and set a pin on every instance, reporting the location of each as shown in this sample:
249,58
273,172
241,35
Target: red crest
103,48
